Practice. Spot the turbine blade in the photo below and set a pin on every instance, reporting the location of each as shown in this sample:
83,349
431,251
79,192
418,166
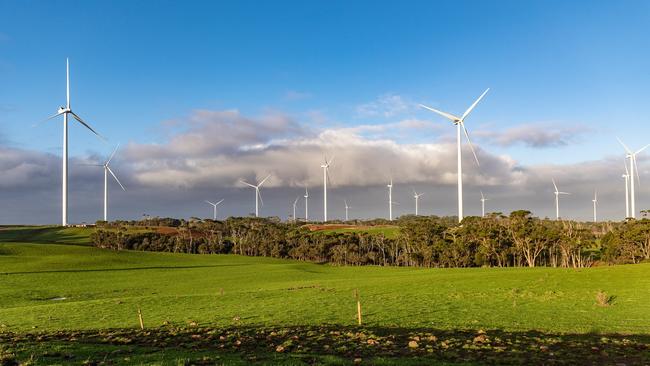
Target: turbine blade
450,117
554,185
327,175
329,162
470,144
115,176
67,82
482,197
641,149
259,194
216,204
563,193
248,184
113,154
86,125
627,172
263,180
210,203
624,146
469,110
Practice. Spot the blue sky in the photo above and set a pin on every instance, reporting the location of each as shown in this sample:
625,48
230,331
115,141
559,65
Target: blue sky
578,68
135,64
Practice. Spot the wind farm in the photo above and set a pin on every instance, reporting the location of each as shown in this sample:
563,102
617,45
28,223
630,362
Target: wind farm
377,234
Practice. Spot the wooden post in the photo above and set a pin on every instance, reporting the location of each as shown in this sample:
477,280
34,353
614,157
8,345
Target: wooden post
140,318
356,294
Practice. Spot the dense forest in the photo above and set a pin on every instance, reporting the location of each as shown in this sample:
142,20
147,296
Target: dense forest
497,240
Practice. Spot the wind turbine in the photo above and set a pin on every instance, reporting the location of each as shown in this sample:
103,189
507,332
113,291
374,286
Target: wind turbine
306,204
390,200
633,168
214,205
595,201
557,200
483,199
346,209
294,208
417,197
326,178
258,195
107,170
460,123
626,176
65,111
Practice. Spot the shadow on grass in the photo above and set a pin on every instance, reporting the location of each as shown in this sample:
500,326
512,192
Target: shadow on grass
340,344
45,235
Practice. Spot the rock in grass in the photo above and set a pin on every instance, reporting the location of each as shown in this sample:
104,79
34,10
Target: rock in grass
413,344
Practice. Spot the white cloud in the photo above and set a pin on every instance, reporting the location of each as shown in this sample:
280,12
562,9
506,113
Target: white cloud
535,135
387,105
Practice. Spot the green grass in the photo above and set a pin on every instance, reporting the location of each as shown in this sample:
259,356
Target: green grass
50,287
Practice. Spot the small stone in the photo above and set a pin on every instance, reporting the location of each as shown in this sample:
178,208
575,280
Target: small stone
357,360
481,338
413,344
279,349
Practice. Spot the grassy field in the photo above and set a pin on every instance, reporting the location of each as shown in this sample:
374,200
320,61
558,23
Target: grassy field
53,285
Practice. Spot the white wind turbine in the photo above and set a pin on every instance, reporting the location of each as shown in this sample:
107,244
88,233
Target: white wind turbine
633,168
460,123
107,170
595,201
417,198
326,178
258,195
214,206
65,111
306,204
626,176
346,209
483,199
557,200
294,208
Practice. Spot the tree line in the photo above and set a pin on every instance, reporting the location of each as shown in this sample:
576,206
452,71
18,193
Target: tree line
515,240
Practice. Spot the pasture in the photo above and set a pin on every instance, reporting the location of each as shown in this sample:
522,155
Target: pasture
59,293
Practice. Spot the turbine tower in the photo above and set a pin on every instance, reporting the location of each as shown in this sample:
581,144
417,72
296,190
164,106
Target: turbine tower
214,205
65,111
460,123
557,200
483,199
417,198
294,208
326,178
626,176
633,168
595,201
306,204
346,209
390,200
258,195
